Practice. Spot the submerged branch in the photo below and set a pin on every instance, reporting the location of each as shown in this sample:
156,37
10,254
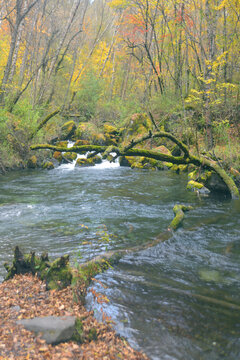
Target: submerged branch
179,211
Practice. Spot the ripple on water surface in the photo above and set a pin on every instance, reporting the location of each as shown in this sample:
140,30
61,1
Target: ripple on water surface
160,298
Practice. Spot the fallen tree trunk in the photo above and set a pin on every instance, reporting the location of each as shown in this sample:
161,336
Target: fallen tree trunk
44,122
129,150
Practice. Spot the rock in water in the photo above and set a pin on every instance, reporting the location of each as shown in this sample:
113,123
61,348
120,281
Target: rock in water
54,329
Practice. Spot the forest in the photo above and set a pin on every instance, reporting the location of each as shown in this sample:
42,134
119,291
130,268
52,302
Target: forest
103,61
120,162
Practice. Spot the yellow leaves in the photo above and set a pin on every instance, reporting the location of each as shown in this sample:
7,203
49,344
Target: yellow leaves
222,5
83,226
119,4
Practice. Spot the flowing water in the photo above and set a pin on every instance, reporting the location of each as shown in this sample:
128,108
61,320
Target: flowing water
177,300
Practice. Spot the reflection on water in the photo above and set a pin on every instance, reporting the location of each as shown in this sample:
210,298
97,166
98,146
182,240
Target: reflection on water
177,300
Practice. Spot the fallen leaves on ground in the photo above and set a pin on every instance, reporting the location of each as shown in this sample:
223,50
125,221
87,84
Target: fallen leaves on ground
25,297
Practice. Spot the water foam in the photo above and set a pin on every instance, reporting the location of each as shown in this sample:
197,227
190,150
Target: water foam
105,164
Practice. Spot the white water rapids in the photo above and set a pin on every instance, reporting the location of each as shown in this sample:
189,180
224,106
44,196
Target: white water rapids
105,164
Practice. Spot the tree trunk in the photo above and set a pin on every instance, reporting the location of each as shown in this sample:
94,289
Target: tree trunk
186,159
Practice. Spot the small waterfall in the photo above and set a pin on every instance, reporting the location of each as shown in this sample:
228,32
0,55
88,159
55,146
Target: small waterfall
104,165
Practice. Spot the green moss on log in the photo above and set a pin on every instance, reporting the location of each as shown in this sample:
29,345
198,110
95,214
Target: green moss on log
179,215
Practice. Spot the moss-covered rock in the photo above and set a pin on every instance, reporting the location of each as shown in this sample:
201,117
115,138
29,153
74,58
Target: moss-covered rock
210,180
97,159
198,187
136,125
194,185
57,155
141,163
82,162
175,168
70,156
111,134
32,162
183,168
68,130
81,142
62,143
48,165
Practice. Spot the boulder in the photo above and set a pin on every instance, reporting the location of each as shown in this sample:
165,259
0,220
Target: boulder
198,187
90,133
111,134
32,162
67,130
70,156
53,329
57,155
135,126
82,162
48,165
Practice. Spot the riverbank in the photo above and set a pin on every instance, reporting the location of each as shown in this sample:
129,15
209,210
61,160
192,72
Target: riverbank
25,297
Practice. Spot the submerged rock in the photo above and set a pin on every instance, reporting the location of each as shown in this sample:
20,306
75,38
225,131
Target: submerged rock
53,329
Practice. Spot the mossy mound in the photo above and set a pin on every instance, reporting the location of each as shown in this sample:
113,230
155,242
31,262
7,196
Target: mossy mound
97,159
32,162
89,132
82,162
136,162
57,274
57,155
81,142
135,126
198,187
62,143
48,165
68,130
209,180
70,156
111,134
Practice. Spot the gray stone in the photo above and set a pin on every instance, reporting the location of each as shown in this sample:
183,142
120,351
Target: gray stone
54,329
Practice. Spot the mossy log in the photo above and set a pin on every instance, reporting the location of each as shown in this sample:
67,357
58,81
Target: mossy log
44,122
179,211
129,150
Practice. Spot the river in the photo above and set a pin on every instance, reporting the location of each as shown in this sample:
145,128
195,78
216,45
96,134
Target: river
159,298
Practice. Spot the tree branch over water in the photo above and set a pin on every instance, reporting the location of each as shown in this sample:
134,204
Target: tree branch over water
130,150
